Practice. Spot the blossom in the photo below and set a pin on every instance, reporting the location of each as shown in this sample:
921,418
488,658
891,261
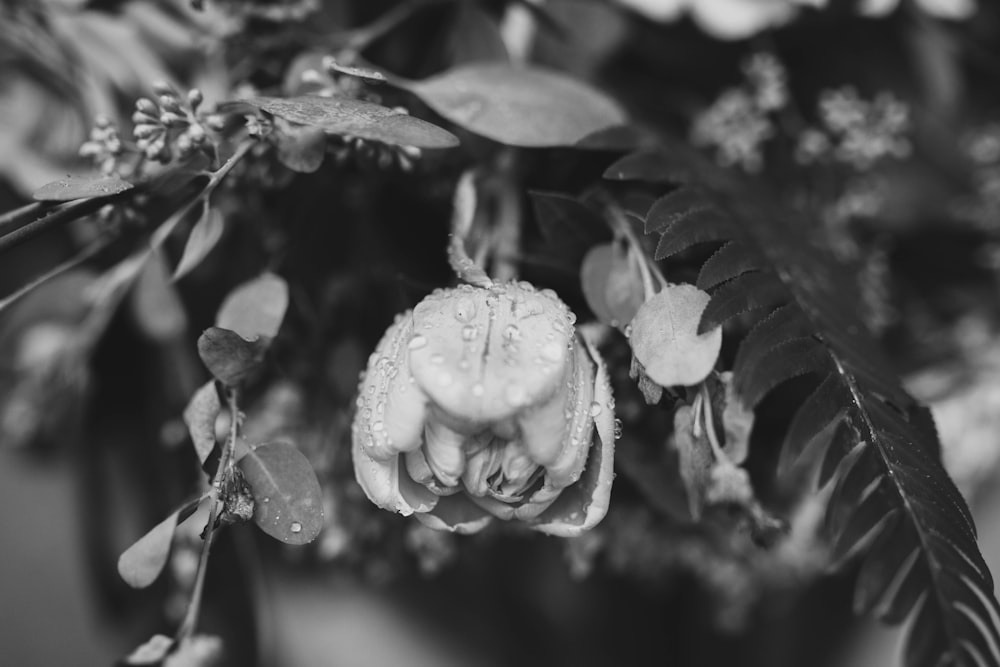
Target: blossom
724,19
483,403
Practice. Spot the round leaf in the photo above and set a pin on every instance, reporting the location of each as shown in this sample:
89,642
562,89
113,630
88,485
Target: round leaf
141,563
203,237
301,149
229,357
255,308
611,284
200,416
81,187
665,340
287,496
519,106
356,118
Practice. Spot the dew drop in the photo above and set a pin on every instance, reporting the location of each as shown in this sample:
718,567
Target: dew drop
296,527
465,309
470,332
595,409
618,428
378,427
267,500
417,342
512,332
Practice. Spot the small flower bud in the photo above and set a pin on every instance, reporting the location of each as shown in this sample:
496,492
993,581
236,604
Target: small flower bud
171,104
101,121
140,117
183,144
197,134
171,119
164,89
194,98
146,106
146,130
215,122
90,149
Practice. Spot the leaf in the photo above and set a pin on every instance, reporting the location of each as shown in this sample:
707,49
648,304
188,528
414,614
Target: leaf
153,652
81,187
474,36
155,304
200,416
196,651
255,308
611,284
230,357
463,217
287,496
203,237
893,505
665,340
356,118
695,459
730,261
568,224
141,563
518,106
301,149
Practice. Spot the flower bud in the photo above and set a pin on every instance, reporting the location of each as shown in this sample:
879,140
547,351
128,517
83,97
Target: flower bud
483,403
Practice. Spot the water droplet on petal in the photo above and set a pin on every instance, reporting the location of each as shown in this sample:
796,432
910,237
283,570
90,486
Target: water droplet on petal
378,426
296,527
469,332
512,332
417,342
618,428
267,500
595,409
465,309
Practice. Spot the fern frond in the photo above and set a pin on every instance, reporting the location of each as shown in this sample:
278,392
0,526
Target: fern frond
893,505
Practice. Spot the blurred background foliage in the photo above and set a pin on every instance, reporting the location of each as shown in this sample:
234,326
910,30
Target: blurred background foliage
876,120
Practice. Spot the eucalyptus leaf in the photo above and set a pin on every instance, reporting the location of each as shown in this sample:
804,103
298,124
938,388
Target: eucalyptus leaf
300,148
356,118
255,308
200,416
518,106
81,187
203,237
287,496
230,357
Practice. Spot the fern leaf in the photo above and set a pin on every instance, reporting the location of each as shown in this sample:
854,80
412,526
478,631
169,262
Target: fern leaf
751,291
892,505
731,260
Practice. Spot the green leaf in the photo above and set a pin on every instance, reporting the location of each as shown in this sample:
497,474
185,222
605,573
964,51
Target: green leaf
200,416
665,338
356,118
81,187
141,563
203,237
155,304
230,357
518,106
299,148
287,496
255,308
611,284
153,652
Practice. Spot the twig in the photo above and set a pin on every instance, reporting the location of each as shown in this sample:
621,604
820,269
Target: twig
72,263
61,215
190,621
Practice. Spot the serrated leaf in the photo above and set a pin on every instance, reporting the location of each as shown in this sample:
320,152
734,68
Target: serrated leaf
200,416
356,118
611,284
301,149
683,203
730,261
700,226
675,163
813,423
518,106
665,340
744,294
255,308
203,237
81,187
783,362
230,357
287,496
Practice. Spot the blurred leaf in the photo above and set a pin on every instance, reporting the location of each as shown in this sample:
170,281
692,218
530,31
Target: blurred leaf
356,118
196,651
255,308
155,304
518,106
463,216
287,496
153,652
141,563
569,225
665,337
475,36
200,416
81,187
300,148
611,284
229,357
203,237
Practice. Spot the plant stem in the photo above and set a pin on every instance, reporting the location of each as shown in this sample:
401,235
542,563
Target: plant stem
224,470
359,39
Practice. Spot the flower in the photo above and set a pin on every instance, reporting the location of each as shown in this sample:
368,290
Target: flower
724,19
482,403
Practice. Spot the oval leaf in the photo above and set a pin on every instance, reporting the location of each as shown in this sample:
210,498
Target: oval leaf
519,106
665,338
287,496
356,118
200,415
229,357
255,308
203,237
141,563
611,284
301,149
81,187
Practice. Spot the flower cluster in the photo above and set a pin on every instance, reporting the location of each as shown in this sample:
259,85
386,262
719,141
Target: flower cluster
104,146
169,126
483,403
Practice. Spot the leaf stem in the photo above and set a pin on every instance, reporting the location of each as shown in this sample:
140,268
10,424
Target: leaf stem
224,470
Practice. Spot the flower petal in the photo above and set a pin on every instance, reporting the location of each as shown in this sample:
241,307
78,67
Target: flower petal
456,514
568,466
386,485
581,506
